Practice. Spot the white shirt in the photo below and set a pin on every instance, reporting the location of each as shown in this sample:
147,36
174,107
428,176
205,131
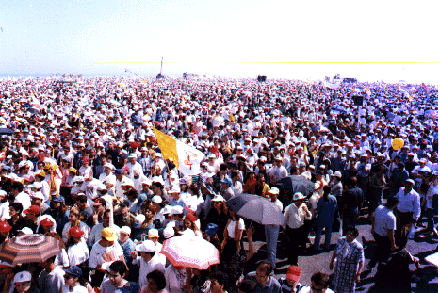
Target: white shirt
156,263
295,216
113,252
76,289
231,227
78,253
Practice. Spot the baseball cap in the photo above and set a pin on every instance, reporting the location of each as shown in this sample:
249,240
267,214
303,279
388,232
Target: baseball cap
109,234
211,229
4,226
153,233
126,230
156,199
74,271
176,210
274,190
146,246
218,198
26,231
23,276
76,232
99,201
337,174
33,209
47,222
58,199
293,273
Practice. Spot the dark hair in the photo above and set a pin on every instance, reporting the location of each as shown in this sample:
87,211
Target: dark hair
353,230
159,279
266,266
82,198
133,192
17,206
392,201
17,185
221,278
247,286
321,279
223,167
118,267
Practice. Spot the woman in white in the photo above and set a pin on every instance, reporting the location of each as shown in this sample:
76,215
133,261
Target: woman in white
4,206
74,217
77,248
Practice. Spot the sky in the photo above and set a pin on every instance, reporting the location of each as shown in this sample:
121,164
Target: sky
236,38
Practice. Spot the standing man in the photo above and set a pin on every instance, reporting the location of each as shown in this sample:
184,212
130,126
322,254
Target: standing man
294,215
408,211
272,231
352,201
382,227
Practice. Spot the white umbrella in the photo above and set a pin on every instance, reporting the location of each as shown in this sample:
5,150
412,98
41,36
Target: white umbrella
190,252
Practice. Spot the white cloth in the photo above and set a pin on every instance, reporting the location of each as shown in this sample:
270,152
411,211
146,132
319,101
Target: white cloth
156,263
78,253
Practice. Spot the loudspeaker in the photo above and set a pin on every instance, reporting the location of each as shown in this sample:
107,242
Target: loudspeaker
358,100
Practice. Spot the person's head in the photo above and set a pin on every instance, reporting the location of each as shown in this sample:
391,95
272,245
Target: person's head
219,281
247,286
16,188
273,193
156,281
99,206
22,281
15,209
392,203
116,273
74,215
108,237
409,184
48,263
320,282
263,272
72,275
351,234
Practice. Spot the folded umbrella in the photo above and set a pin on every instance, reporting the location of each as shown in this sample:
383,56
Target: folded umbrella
190,252
29,249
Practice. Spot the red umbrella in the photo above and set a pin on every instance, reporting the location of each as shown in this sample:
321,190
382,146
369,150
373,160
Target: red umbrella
29,248
190,252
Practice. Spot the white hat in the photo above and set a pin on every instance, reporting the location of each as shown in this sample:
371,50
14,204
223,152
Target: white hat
174,189
168,232
36,184
337,174
126,230
218,198
132,156
23,276
146,246
274,190
138,220
156,199
38,195
298,196
26,231
176,210
146,181
153,233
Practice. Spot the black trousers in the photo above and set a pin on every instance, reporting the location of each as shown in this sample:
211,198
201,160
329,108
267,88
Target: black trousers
403,219
383,250
295,237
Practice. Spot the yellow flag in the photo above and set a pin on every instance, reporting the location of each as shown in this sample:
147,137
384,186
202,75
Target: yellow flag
231,118
143,81
167,146
398,86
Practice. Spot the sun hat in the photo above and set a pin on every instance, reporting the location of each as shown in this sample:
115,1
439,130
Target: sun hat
126,230
33,209
146,246
76,232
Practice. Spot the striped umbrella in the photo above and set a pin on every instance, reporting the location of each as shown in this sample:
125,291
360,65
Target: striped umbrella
29,249
190,252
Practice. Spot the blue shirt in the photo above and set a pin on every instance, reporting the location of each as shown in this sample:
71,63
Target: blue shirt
326,210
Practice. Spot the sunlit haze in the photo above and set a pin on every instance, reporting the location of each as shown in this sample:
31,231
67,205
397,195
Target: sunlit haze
222,38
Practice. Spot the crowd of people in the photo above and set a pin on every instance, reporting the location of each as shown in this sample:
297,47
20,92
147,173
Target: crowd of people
80,162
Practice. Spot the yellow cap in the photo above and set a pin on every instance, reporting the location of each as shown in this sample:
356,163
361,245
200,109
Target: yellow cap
109,234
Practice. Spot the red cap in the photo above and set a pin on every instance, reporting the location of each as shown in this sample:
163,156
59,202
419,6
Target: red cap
99,201
293,273
191,217
86,160
4,226
76,232
134,144
47,222
33,209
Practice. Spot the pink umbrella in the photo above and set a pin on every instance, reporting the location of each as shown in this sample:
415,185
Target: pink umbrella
190,252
